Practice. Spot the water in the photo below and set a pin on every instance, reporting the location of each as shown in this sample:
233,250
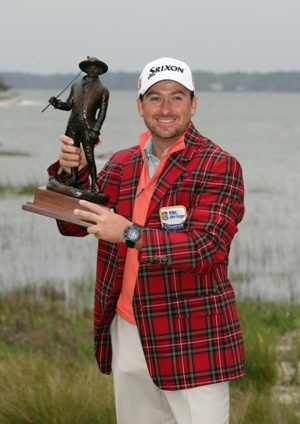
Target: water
261,129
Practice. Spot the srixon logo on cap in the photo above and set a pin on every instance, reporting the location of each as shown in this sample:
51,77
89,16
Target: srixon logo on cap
163,68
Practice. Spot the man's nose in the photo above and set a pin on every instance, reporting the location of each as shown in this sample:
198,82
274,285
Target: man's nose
166,106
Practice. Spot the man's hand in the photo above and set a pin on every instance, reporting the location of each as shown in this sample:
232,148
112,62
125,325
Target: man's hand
72,156
109,226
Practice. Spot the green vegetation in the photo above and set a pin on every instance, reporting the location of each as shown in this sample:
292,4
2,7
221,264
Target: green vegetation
28,190
47,370
48,373
3,85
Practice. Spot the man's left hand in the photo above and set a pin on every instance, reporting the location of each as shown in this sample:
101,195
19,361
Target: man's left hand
109,226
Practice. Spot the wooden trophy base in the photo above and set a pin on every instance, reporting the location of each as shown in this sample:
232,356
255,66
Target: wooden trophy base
56,205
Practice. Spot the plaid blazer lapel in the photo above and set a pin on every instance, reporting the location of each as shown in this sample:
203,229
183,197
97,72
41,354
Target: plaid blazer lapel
174,168
129,183
178,163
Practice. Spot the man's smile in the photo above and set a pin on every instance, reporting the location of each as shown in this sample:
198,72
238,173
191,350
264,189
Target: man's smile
166,121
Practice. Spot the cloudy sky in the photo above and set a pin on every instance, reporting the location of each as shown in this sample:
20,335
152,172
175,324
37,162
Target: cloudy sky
46,37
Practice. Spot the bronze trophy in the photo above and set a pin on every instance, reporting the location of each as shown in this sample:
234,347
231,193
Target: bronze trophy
88,102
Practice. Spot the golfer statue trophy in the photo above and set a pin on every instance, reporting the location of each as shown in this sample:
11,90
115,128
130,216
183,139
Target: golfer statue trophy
88,102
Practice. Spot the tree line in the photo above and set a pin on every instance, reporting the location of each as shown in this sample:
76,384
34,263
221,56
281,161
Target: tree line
205,81
3,85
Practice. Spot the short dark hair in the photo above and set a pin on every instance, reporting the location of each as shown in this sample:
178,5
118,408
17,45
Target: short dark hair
141,96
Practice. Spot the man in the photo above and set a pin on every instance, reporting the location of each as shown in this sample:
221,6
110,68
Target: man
166,322
88,101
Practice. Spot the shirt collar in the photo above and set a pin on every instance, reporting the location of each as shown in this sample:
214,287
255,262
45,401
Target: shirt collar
146,144
149,149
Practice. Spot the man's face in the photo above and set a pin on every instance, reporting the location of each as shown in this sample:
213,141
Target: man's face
167,109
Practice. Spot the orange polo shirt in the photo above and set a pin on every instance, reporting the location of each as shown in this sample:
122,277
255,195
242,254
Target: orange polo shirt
145,191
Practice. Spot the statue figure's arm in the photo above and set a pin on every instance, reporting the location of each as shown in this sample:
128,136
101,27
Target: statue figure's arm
59,104
102,112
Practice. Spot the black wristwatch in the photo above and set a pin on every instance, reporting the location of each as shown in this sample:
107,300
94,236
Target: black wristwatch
132,234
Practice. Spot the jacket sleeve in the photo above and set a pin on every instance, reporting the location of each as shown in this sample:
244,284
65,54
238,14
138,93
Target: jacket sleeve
108,180
83,175
212,219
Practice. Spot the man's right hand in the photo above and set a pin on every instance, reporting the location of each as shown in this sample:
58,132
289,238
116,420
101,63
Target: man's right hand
71,156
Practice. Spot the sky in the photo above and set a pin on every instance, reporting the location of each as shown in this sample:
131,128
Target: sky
47,37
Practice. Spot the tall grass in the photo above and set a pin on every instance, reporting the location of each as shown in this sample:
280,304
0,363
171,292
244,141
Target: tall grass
252,407
265,396
28,190
47,370
48,374
39,390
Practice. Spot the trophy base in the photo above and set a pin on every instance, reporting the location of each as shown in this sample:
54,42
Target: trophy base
81,193
56,205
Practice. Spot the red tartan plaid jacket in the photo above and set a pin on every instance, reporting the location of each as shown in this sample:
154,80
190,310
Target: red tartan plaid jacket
183,303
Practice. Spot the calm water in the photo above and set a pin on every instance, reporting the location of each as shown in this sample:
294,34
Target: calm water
261,129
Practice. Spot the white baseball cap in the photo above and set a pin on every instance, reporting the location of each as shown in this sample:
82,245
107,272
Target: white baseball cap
165,68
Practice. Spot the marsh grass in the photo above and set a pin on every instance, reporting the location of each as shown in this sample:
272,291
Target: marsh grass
263,324
252,407
48,373
39,390
28,190
12,153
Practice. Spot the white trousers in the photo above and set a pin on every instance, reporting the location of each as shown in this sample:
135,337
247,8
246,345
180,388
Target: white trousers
140,401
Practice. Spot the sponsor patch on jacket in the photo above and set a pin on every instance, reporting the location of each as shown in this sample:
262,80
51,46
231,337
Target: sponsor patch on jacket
172,217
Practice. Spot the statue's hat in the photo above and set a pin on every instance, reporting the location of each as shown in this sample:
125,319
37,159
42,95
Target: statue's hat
93,61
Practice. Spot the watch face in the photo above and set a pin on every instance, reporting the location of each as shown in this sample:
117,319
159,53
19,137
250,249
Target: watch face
133,233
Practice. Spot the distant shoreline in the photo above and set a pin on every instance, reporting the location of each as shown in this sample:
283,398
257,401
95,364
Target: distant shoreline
9,100
205,81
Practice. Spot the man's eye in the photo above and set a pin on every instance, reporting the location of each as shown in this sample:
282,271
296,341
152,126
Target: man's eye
155,99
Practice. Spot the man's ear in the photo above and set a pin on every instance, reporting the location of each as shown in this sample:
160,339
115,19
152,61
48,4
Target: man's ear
140,107
194,105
